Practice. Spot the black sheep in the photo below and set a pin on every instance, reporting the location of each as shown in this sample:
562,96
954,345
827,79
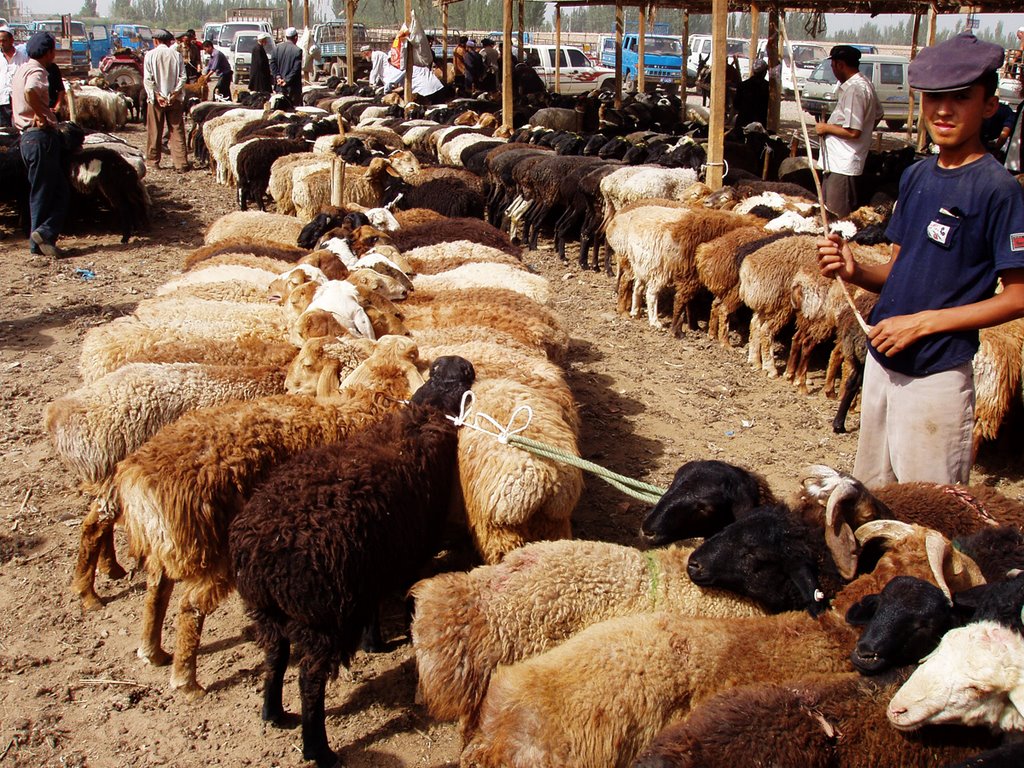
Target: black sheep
254,163
337,528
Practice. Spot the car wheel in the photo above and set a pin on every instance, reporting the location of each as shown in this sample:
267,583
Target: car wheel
895,125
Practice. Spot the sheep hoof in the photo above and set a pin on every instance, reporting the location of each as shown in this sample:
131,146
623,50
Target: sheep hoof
113,570
282,720
325,758
192,690
91,602
157,658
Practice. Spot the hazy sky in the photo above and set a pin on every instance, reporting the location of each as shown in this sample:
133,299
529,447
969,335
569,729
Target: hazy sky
836,21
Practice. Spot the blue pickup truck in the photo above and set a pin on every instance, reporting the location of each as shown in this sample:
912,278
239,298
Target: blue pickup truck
87,47
663,57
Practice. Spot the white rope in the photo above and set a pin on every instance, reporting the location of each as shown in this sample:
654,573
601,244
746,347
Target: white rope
469,418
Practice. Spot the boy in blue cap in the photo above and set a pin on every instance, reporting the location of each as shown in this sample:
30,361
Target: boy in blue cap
958,225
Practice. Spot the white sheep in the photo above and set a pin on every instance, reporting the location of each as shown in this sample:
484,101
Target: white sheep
98,108
272,227
486,275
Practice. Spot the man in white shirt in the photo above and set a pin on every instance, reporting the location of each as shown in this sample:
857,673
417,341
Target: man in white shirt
164,79
381,71
13,57
846,137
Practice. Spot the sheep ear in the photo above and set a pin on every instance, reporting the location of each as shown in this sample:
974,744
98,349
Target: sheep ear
327,382
861,612
806,582
952,570
363,325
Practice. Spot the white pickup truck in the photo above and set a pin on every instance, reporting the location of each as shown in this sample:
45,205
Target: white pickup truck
578,74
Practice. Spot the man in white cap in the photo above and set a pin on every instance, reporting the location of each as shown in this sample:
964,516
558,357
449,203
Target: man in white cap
260,80
13,57
381,72
287,66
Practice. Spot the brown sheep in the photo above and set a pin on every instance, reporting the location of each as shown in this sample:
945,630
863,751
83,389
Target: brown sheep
278,251
409,237
602,696
180,491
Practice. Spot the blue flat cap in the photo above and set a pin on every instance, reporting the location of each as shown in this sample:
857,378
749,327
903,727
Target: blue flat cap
954,64
39,45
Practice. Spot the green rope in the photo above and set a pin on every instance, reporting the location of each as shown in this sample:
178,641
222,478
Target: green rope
641,491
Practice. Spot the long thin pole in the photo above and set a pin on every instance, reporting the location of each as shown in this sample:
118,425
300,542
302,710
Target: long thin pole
408,53
350,54
506,66
716,123
558,48
910,92
290,15
932,18
522,19
618,54
684,63
774,70
444,42
641,51
305,14
755,33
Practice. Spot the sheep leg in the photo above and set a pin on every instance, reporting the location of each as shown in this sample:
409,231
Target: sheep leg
372,640
312,688
89,546
851,386
796,348
634,307
158,595
835,362
754,342
651,296
768,354
278,653
716,303
190,629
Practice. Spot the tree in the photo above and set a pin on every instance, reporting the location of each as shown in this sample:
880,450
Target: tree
88,9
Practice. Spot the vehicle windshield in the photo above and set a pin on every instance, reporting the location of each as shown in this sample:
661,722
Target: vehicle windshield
736,48
53,27
823,72
807,56
662,46
244,43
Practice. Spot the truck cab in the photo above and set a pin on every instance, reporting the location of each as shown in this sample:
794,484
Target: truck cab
663,56
85,52
736,48
578,74
138,37
806,55
240,55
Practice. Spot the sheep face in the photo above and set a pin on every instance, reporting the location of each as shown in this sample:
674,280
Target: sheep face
903,624
404,162
365,237
327,262
769,555
974,677
705,496
450,377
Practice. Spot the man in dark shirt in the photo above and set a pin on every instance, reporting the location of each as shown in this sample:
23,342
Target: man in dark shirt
286,66
58,94
752,96
996,130
260,80
221,68
474,67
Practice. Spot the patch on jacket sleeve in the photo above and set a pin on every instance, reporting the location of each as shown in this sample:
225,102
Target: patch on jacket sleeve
1017,241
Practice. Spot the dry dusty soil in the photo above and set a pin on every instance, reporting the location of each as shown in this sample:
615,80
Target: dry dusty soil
73,692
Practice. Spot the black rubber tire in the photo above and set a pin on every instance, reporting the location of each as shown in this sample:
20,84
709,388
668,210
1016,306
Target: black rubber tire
895,124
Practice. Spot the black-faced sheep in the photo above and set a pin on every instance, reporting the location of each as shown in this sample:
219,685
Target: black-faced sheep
361,517
603,695
181,489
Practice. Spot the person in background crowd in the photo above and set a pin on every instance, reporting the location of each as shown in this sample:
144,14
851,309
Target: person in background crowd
260,80
286,66
752,96
458,64
41,147
381,72
13,57
58,94
218,64
846,136
492,65
996,130
191,55
474,67
956,229
164,80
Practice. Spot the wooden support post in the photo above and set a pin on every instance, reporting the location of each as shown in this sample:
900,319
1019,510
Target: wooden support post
305,14
684,63
522,20
716,124
618,54
337,181
641,50
72,107
506,67
290,14
774,71
911,97
755,34
444,42
350,44
408,54
558,47
933,13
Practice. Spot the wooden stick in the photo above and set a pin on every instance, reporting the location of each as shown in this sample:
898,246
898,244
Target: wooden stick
814,172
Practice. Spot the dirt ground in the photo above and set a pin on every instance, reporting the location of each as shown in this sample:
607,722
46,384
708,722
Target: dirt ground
73,692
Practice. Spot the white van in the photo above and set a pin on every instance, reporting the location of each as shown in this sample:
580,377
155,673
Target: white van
806,55
700,48
887,73
228,30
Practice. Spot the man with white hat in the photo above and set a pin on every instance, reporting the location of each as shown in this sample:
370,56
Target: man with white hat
381,72
260,80
13,57
287,66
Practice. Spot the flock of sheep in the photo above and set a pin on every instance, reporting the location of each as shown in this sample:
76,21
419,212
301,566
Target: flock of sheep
289,418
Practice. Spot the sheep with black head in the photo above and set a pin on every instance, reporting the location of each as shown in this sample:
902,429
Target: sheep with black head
330,533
